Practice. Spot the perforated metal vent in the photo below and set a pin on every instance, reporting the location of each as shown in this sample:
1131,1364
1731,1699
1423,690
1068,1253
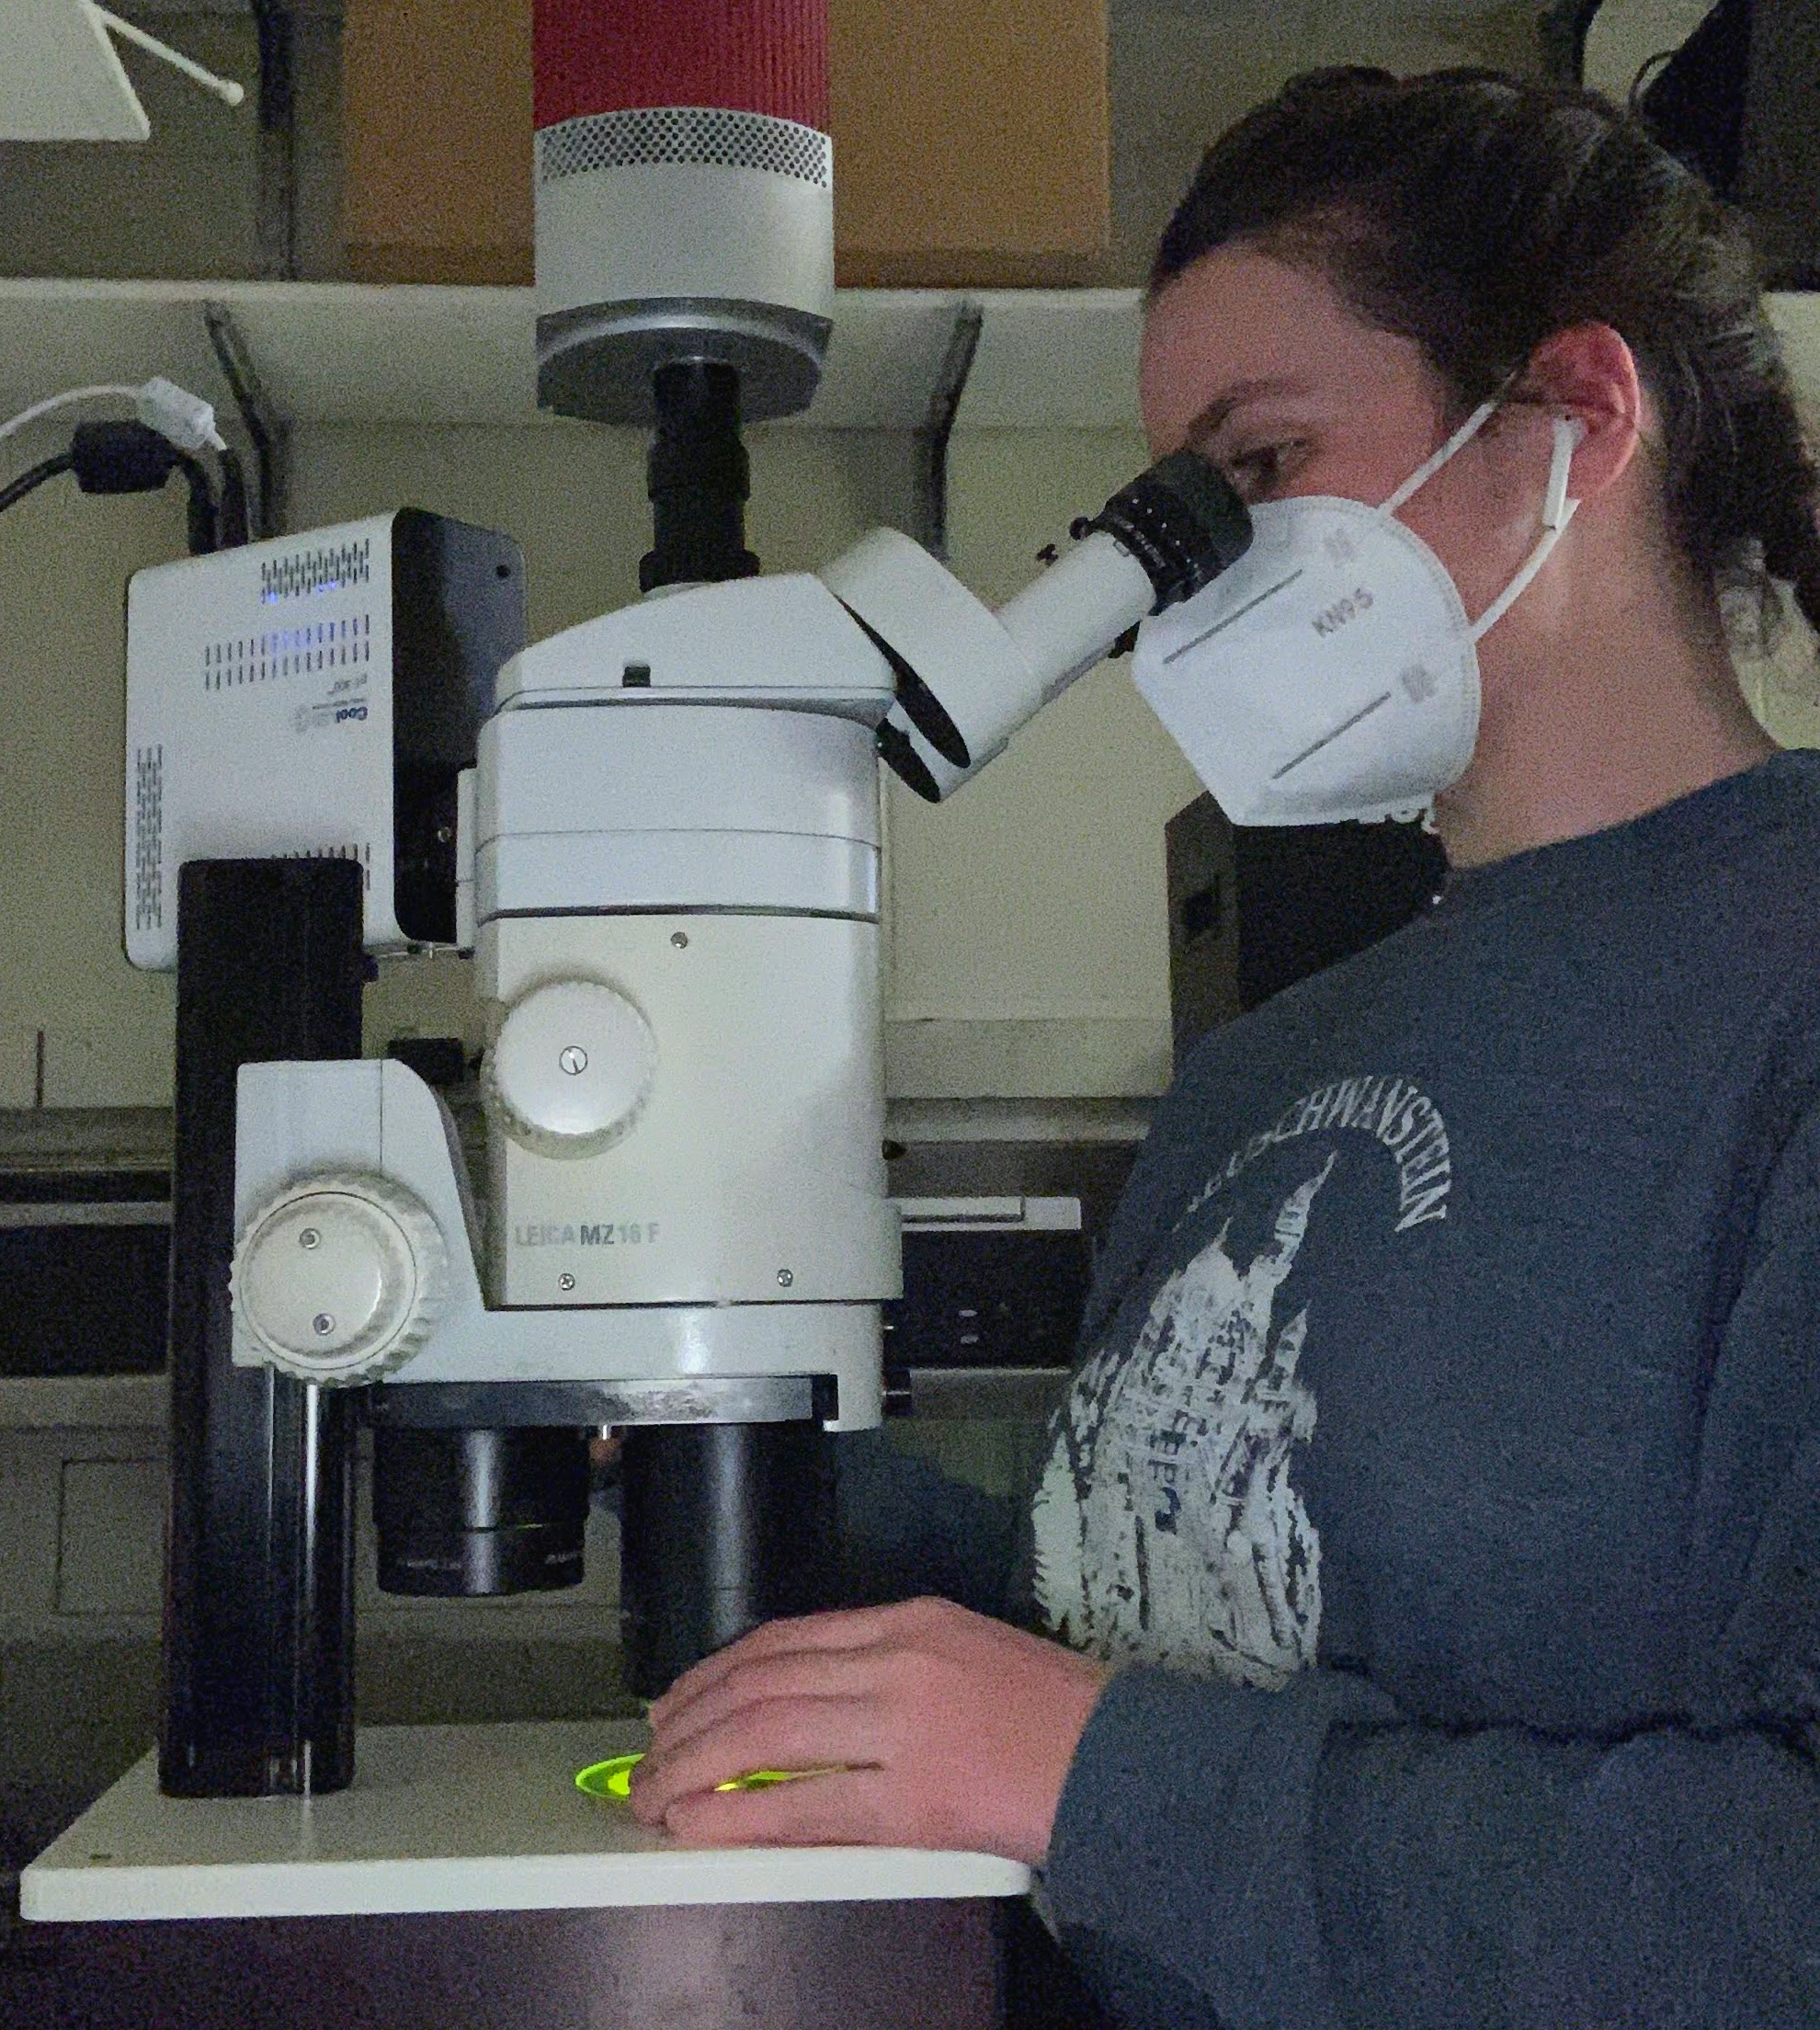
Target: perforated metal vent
326,570
242,659
148,838
685,135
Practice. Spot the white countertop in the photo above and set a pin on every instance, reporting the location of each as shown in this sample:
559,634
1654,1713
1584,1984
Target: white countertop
446,1818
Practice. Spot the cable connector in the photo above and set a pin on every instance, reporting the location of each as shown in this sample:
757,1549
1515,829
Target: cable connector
122,458
184,418
133,458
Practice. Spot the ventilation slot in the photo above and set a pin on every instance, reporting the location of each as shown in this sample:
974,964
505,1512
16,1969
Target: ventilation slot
685,135
357,849
304,572
148,838
288,652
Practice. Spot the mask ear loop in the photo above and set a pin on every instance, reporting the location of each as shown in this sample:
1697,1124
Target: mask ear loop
1558,511
1427,470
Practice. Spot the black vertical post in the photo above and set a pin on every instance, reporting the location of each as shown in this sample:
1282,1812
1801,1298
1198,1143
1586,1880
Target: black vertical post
277,139
259,1598
723,1527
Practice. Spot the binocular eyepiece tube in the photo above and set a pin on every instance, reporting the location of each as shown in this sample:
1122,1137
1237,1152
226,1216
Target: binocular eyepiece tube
967,679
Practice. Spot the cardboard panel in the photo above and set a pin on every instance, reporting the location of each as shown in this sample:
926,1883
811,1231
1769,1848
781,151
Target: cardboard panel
971,141
437,125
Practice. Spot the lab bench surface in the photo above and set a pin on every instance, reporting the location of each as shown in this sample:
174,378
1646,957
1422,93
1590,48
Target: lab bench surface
448,1818
464,1880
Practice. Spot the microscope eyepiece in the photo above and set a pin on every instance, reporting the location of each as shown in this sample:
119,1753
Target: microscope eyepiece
1181,520
966,677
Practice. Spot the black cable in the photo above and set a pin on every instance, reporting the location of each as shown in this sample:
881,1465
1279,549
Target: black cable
201,504
234,527
17,489
132,458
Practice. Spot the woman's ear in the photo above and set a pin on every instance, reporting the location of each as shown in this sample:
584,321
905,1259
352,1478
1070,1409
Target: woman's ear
1587,373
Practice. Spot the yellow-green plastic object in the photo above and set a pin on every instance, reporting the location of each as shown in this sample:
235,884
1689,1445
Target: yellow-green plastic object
612,1778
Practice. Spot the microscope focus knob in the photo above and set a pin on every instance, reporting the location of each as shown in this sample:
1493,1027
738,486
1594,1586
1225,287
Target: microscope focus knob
337,1280
571,1070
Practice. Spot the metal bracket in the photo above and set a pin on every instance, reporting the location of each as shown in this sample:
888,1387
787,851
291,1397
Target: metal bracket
278,140
938,426
268,432
689,1400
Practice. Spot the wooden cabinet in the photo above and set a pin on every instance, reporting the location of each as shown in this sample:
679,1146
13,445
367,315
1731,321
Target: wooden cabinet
437,140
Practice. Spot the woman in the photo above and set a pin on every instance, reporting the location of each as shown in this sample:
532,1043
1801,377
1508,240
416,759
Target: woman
1437,1535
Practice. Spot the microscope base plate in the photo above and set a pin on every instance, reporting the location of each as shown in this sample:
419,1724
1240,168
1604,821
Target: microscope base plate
446,1818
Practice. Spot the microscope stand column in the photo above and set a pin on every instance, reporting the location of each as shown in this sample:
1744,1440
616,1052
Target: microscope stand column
258,1596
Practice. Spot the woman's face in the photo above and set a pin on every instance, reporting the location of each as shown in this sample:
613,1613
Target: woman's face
1262,368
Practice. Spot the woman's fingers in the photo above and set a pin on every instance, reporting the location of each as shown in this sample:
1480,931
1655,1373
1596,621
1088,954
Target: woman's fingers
942,1728
853,1628
847,1809
779,1733
795,1675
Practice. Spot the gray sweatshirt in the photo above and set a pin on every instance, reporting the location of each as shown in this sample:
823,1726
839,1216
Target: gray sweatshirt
1443,1466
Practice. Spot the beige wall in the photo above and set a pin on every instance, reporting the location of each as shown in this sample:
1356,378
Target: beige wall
1184,70
63,565
1029,943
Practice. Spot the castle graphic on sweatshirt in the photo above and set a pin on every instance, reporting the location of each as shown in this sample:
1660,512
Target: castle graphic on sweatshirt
1166,1528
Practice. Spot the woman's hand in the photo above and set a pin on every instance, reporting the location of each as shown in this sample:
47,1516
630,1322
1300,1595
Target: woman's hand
950,1730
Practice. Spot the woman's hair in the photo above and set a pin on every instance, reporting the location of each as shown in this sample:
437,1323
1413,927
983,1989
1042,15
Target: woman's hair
1478,214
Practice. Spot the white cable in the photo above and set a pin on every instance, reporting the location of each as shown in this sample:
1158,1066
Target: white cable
224,88
1558,511
1569,435
187,420
64,402
1538,556
1430,466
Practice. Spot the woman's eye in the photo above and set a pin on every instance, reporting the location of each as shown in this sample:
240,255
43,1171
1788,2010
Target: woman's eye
1254,473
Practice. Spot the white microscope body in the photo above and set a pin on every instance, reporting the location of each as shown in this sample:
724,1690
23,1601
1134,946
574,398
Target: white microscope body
669,878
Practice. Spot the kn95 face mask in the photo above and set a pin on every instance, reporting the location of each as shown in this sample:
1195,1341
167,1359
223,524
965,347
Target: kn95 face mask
1331,673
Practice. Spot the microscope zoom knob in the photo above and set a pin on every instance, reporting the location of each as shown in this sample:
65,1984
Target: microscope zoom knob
339,1279
571,1070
